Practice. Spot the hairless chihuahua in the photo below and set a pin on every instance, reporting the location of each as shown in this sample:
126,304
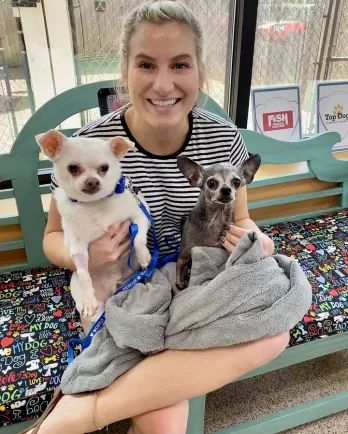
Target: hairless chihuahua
219,184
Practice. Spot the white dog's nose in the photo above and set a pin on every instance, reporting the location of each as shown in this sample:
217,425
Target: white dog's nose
91,184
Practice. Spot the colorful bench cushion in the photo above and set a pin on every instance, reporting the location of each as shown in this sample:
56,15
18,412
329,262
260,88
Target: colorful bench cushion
36,322
37,312
321,246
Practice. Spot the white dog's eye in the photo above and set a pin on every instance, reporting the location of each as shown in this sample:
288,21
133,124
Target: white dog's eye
236,183
73,169
104,168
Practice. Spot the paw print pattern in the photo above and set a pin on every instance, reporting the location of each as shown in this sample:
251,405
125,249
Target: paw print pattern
31,337
321,247
338,110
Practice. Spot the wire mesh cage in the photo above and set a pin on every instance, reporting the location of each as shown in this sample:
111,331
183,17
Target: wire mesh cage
293,39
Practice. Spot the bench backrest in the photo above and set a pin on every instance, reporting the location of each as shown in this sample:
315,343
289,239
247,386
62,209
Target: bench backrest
21,167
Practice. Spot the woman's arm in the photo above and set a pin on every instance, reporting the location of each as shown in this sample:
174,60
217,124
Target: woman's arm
242,224
53,242
113,245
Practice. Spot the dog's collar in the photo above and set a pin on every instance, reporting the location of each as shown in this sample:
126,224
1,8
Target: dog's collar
119,189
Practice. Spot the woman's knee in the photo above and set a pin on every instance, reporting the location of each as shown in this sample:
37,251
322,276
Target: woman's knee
168,420
270,348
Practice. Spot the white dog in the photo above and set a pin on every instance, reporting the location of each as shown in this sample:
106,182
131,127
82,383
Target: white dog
87,171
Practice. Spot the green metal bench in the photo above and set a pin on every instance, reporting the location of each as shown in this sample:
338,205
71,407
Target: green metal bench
21,168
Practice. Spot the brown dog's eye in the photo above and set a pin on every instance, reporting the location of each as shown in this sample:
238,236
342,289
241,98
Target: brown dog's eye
212,184
73,169
236,183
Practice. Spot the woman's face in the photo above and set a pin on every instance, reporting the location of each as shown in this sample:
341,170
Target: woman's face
163,77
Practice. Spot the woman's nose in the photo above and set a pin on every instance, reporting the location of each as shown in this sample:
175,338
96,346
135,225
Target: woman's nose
163,83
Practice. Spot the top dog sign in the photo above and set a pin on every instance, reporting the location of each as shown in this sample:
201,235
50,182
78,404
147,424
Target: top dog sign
277,112
332,110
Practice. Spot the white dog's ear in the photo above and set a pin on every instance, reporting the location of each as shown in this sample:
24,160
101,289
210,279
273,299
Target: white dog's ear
120,146
51,142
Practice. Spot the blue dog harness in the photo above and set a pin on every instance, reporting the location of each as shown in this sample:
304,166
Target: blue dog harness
156,262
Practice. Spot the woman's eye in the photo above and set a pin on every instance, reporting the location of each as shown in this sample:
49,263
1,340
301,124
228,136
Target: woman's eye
146,65
181,65
73,169
236,183
104,168
212,184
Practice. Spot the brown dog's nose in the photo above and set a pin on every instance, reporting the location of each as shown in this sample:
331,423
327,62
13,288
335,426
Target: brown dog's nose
92,184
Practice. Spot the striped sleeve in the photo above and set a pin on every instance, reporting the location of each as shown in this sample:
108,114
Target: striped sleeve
54,183
238,152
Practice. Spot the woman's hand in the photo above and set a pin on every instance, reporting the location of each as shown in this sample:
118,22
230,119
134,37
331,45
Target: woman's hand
112,246
231,235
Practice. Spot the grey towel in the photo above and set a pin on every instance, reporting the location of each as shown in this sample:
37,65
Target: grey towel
230,299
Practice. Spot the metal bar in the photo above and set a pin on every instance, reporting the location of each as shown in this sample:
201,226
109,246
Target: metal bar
337,59
333,36
323,43
4,71
229,57
293,416
28,81
241,81
26,69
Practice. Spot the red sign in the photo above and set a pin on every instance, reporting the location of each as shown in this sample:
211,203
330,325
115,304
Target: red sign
278,120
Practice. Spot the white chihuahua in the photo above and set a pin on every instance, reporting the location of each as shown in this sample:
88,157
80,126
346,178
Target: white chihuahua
87,171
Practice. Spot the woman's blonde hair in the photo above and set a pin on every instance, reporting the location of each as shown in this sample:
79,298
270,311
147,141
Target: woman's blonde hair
161,12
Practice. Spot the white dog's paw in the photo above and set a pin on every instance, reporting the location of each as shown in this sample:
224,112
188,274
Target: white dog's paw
88,305
99,312
143,256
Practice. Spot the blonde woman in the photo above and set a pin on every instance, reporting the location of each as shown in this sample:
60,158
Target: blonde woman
163,70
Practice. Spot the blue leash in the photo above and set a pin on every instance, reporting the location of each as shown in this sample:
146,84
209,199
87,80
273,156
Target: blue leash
156,262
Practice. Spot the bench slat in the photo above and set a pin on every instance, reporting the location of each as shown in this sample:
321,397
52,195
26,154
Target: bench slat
6,194
281,200
11,245
300,216
272,180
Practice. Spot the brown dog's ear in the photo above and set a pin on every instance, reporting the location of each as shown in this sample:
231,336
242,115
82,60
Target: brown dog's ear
120,146
250,167
51,143
192,171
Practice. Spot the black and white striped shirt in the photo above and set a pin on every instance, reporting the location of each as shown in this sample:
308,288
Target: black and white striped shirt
210,140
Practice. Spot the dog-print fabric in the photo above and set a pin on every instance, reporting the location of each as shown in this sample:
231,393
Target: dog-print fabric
37,316
321,246
37,320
